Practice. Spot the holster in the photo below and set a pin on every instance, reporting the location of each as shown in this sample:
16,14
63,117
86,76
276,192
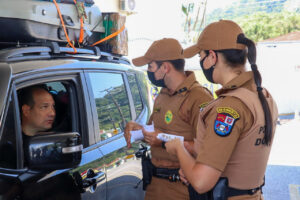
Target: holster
219,192
147,166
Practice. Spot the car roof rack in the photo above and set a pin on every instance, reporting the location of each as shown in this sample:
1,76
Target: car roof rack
48,50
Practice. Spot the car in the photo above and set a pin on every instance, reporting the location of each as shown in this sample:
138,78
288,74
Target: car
85,155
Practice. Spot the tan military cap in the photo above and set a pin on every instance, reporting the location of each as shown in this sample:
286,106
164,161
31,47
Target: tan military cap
217,36
161,50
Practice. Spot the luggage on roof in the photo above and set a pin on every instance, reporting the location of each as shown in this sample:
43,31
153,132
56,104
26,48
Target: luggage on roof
87,2
25,21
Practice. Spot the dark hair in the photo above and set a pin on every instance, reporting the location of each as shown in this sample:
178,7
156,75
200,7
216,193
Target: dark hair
257,78
178,64
25,95
233,57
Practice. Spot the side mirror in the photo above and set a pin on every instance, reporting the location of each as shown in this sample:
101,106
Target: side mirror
53,151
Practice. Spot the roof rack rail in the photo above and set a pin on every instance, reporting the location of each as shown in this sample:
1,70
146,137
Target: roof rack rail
47,50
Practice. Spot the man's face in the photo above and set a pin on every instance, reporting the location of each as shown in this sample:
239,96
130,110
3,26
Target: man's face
41,116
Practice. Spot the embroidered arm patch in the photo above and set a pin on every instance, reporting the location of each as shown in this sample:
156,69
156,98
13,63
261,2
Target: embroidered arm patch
226,117
202,106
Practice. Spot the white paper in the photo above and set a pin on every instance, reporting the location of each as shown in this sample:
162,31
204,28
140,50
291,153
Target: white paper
136,135
167,137
149,128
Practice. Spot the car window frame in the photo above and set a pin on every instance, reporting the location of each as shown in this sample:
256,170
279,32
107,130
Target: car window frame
17,123
60,76
140,95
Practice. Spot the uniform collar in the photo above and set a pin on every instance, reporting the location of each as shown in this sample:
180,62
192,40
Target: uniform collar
184,86
239,81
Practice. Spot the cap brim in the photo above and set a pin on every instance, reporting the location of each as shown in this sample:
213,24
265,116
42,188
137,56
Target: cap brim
191,51
140,61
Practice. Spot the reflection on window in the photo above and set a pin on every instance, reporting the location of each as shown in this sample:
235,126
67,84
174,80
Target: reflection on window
111,101
135,94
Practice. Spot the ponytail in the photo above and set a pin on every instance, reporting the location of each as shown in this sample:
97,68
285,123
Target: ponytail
257,78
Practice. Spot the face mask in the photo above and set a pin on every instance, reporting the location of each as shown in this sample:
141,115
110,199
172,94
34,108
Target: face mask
158,83
208,73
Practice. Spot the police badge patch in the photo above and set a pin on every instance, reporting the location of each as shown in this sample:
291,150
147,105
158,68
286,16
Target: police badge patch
225,120
168,117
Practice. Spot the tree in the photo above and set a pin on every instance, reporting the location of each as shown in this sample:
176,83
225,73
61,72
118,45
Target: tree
262,25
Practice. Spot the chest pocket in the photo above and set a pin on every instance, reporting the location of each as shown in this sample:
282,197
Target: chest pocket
166,113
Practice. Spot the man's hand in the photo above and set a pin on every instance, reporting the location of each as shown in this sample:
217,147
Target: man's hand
151,138
189,146
130,126
173,145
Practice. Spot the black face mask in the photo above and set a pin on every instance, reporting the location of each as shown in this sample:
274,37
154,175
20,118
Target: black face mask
158,83
208,73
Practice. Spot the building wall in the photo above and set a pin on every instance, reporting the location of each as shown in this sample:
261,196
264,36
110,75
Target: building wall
108,5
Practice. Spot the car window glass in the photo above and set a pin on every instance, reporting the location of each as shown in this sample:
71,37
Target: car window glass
60,94
135,94
8,154
111,101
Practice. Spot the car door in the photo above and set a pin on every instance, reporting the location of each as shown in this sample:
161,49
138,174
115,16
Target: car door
16,179
114,105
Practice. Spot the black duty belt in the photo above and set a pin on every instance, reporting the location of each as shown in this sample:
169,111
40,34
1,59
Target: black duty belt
236,192
171,174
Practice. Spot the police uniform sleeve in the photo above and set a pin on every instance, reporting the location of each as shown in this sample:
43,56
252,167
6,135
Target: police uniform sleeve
224,125
202,100
197,100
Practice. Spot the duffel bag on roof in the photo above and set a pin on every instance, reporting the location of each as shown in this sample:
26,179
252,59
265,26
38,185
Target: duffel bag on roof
24,21
87,2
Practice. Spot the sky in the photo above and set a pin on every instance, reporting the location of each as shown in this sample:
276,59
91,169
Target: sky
157,19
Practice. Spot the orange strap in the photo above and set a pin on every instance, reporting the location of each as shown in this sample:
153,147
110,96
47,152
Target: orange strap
110,36
81,36
64,27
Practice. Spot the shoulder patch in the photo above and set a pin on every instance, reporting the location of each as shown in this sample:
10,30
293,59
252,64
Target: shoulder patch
226,117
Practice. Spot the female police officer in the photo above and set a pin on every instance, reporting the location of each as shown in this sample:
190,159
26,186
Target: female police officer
235,131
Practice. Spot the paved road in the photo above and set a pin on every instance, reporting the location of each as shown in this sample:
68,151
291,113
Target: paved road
283,172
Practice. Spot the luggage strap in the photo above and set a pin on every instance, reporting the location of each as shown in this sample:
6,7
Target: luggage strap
110,36
171,174
64,27
81,37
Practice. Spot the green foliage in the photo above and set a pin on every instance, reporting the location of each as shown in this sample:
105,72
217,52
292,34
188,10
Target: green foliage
110,106
261,25
260,19
245,7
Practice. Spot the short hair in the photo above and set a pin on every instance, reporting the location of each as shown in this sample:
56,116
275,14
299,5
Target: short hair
178,64
25,95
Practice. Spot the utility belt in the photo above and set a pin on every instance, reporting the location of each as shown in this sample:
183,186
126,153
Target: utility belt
170,174
150,170
221,191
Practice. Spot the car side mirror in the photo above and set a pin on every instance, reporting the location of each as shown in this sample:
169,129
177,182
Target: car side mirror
53,151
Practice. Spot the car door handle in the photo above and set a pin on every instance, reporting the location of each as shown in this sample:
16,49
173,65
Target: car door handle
93,178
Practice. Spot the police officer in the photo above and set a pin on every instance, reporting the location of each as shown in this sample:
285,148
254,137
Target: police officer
175,111
235,131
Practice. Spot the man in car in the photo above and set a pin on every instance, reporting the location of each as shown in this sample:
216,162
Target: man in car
37,108
175,111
